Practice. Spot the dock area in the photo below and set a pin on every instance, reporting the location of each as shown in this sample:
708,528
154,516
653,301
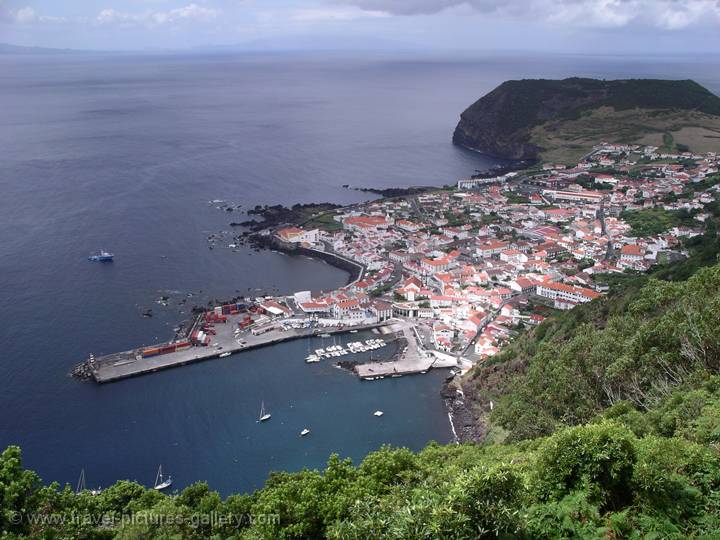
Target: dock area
227,339
412,359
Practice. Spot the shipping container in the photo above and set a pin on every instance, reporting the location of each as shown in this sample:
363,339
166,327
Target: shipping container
151,351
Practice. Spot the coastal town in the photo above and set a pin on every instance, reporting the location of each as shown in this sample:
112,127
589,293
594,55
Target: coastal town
470,266
452,275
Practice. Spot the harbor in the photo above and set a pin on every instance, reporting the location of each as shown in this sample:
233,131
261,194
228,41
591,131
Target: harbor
209,337
226,330
411,358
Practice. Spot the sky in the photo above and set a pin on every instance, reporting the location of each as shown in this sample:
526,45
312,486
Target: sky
574,26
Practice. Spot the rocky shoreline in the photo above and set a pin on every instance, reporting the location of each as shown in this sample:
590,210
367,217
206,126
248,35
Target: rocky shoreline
278,215
467,426
389,193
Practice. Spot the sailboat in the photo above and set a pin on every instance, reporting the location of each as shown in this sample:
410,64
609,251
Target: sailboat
311,358
264,415
160,483
81,485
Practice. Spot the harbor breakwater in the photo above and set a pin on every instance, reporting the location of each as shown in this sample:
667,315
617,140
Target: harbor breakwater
270,241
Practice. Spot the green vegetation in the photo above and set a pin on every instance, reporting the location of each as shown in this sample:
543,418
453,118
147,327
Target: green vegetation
382,289
515,198
707,183
588,182
568,140
601,480
656,220
560,120
325,222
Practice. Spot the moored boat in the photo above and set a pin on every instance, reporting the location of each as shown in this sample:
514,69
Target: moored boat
161,483
101,256
264,415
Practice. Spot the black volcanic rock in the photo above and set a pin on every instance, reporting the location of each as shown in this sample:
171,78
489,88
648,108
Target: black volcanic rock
500,123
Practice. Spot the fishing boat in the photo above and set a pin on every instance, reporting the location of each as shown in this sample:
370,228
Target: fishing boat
264,415
304,432
101,256
378,413
160,482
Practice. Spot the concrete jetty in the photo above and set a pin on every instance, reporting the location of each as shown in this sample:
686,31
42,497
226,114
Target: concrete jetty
412,359
122,365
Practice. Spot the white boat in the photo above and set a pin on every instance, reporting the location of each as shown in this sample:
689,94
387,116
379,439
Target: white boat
81,485
319,352
264,415
304,432
378,413
161,483
324,335
225,354
353,331
312,359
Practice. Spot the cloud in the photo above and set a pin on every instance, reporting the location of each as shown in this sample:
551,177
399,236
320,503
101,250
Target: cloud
191,12
336,14
665,14
27,15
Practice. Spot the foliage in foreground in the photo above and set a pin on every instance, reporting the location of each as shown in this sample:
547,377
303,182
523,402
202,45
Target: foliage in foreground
595,481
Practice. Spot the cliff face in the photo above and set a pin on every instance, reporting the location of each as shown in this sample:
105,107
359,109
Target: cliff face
500,123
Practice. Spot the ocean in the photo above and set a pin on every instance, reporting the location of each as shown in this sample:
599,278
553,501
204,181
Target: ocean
124,152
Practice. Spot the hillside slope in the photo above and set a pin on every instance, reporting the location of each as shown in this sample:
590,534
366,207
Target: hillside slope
562,119
651,335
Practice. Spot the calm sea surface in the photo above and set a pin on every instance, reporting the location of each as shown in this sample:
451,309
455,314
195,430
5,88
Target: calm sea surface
124,153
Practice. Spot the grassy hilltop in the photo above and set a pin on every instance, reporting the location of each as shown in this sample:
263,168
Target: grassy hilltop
560,120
